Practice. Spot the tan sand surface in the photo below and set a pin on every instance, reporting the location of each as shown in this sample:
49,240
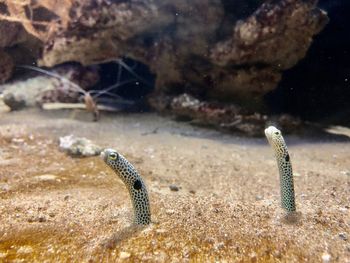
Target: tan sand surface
56,208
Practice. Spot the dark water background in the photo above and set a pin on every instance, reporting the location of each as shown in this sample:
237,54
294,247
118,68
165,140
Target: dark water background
318,87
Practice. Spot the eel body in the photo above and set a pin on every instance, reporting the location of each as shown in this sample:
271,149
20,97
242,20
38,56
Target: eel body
275,139
134,183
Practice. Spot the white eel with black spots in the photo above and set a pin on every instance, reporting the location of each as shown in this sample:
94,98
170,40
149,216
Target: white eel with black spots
275,138
133,181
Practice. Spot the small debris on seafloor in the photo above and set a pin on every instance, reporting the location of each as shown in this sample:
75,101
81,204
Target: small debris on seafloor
170,211
326,257
161,231
25,250
174,188
124,255
258,198
4,187
46,177
79,147
343,236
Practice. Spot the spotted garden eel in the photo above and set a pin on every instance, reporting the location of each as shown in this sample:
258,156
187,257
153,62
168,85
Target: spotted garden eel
133,181
275,138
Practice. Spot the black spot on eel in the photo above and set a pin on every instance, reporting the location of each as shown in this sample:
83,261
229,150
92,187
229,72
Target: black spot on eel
133,181
275,138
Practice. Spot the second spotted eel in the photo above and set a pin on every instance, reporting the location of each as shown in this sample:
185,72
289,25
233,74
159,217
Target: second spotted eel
133,181
275,138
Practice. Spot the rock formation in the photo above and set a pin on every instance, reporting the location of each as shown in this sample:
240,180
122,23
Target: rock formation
204,47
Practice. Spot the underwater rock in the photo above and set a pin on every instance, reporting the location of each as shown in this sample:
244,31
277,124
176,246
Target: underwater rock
227,117
278,34
22,94
78,147
11,33
85,77
16,45
27,93
6,66
38,90
14,101
234,51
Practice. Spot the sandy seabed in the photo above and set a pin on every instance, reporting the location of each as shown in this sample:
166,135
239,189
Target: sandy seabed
56,208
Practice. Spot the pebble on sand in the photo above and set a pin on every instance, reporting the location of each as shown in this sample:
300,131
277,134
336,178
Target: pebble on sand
79,147
174,188
343,236
124,255
45,177
326,257
25,250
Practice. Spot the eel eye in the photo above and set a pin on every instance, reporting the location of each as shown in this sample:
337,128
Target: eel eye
113,156
277,133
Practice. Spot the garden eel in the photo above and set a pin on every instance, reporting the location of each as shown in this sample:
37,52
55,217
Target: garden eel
275,138
133,181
